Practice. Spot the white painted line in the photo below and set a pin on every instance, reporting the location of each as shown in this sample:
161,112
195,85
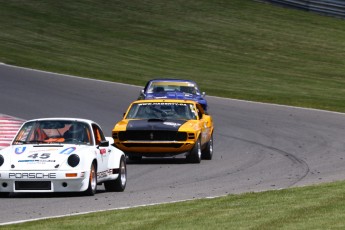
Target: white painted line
8,129
103,210
278,105
6,139
71,76
223,98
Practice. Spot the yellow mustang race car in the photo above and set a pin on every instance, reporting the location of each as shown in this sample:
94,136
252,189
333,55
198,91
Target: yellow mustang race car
160,128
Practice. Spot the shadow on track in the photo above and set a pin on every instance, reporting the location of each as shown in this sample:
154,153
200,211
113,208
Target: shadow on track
161,160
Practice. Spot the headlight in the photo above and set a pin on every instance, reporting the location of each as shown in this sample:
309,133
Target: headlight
73,160
1,160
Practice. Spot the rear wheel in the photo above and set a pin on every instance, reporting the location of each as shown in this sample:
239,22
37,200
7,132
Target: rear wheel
91,190
194,156
119,184
207,153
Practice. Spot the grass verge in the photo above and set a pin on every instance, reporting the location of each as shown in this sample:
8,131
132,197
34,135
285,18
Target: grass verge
239,48
311,207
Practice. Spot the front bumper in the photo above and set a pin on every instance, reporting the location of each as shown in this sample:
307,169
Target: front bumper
44,181
155,147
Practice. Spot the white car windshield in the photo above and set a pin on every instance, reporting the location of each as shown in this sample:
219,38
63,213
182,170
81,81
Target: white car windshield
54,131
162,110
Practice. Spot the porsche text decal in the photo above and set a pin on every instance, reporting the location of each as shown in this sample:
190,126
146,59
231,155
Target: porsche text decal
32,175
104,173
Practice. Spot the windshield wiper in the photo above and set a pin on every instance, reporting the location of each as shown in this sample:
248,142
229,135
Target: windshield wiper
18,141
28,142
34,142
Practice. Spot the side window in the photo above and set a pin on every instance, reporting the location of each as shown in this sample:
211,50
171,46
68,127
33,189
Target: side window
99,136
146,86
24,133
200,111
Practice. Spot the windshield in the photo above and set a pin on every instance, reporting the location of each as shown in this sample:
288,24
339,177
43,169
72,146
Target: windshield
53,131
164,87
162,110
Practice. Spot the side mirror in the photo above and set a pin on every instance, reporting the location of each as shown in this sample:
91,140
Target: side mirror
203,94
141,95
104,144
110,139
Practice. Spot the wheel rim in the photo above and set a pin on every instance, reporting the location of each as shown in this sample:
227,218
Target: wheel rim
123,173
211,146
93,182
199,150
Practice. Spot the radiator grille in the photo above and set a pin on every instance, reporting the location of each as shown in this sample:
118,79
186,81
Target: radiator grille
33,185
152,135
158,145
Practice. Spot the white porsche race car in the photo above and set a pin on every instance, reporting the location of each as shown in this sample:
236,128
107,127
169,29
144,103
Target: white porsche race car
61,155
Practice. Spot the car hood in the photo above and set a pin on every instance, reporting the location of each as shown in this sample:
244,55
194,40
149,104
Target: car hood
38,157
155,124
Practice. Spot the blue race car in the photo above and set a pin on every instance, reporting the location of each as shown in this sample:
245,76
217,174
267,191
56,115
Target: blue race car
173,89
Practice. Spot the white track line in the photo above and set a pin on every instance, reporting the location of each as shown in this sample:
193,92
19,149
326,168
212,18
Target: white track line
105,210
8,128
222,98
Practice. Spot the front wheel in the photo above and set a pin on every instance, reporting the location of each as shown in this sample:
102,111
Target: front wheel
194,156
119,184
207,153
91,190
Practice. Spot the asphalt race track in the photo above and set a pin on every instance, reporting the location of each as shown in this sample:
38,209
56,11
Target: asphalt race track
257,146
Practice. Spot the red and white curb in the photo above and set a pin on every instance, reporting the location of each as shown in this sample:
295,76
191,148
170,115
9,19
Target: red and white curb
8,128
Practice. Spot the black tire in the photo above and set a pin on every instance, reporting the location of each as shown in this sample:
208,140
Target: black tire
194,156
119,184
207,153
91,190
4,194
134,158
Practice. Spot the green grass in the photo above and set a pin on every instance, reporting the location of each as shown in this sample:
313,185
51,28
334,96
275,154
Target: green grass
312,207
232,48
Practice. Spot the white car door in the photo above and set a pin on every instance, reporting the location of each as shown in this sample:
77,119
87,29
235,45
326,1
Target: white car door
102,153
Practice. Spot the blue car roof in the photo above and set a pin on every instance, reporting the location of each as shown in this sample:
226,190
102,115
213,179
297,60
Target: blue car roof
171,79
197,97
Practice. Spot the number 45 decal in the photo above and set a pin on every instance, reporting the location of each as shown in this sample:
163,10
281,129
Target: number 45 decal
41,156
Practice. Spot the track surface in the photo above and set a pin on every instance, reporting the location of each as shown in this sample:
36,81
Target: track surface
257,146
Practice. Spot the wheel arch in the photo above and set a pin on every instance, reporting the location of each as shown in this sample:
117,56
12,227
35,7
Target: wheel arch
115,157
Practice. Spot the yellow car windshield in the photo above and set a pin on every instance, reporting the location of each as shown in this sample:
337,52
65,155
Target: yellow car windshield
161,110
